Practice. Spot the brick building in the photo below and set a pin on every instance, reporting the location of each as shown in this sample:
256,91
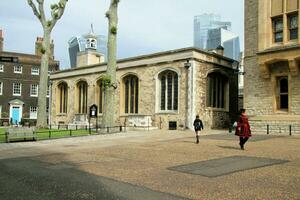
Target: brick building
19,80
272,55
163,89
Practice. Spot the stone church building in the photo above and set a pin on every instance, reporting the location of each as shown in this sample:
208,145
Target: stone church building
272,57
165,89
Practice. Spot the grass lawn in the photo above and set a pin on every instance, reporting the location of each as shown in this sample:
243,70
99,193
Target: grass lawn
44,134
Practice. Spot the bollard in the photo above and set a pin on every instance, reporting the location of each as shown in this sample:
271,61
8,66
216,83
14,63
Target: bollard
160,122
120,128
268,129
107,129
49,134
290,127
125,125
71,132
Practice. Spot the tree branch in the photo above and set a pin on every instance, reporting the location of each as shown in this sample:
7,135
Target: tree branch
115,2
34,9
57,11
41,9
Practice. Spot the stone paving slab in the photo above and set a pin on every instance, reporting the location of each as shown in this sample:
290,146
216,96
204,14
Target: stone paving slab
225,166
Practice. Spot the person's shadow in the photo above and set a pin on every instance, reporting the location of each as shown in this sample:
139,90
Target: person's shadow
229,147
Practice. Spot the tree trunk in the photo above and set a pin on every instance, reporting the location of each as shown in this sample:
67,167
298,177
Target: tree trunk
57,10
110,91
43,86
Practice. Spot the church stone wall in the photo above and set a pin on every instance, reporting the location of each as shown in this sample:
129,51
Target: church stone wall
148,93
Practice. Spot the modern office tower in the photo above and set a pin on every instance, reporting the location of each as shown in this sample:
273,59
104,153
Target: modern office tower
225,38
80,44
205,22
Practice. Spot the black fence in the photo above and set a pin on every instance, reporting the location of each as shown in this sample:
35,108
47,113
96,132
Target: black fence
74,130
291,129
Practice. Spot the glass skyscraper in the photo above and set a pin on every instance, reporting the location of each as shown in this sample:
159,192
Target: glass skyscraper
203,23
210,32
225,38
78,44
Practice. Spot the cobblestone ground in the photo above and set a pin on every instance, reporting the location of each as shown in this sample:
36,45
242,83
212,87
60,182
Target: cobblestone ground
143,158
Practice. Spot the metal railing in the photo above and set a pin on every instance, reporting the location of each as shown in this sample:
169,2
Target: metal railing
73,130
291,129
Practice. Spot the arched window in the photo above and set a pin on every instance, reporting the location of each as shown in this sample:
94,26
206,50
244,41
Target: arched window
63,97
168,90
82,88
283,93
93,43
217,90
131,94
100,95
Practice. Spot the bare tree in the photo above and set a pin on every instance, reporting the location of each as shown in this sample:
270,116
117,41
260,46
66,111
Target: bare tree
110,79
57,11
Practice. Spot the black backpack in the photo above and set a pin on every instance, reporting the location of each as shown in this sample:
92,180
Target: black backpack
198,125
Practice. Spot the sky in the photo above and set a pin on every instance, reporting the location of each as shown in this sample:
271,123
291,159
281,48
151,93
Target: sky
145,26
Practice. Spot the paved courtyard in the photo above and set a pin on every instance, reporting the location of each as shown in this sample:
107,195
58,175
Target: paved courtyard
152,165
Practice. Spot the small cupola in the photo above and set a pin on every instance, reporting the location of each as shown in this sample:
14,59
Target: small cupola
91,40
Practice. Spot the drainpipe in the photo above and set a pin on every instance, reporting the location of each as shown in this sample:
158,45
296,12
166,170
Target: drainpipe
187,65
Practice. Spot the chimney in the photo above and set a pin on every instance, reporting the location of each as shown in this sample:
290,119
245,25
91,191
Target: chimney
1,40
38,47
220,50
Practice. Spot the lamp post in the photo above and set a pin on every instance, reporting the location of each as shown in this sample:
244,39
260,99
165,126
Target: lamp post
187,65
50,102
236,67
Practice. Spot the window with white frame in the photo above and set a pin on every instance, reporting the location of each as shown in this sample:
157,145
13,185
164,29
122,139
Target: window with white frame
34,88
33,112
17,89
168,90
1,88
18,69
35,71
1,68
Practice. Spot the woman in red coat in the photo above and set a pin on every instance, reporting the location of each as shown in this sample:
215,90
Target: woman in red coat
243,129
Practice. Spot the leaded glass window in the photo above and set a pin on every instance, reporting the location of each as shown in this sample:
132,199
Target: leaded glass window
131,101
168,91
278,29
293,26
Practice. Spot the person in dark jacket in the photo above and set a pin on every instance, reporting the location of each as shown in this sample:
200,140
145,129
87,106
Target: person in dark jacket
198,126
243,128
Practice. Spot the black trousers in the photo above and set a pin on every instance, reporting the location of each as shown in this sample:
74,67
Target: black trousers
243,140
